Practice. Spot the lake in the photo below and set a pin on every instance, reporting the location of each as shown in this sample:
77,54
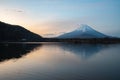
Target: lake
59,61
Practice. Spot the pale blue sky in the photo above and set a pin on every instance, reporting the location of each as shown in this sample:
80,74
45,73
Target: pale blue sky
57,16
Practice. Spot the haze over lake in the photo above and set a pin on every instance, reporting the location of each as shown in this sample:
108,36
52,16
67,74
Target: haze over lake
60,61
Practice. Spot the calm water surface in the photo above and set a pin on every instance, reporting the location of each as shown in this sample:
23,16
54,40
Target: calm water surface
60,61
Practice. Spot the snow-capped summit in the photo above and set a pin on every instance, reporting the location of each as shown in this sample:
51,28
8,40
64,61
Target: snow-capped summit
84,28
84,31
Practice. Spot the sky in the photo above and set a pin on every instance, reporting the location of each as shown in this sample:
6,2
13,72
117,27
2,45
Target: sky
54,17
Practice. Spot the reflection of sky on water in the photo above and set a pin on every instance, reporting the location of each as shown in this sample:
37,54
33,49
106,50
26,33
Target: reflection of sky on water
65,62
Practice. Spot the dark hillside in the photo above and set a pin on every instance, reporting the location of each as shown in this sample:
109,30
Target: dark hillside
10,33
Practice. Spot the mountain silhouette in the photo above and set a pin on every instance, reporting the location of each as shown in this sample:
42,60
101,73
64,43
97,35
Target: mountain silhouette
15,33
84,31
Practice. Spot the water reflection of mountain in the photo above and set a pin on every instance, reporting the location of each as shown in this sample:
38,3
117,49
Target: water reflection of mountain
13,51
83,50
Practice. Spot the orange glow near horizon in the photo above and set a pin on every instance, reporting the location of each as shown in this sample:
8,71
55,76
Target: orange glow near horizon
14,17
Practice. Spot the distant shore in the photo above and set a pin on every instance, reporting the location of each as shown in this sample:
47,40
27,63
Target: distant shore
77,40
91,40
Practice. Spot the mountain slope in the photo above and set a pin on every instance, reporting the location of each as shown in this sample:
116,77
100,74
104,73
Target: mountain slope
16,33
84,31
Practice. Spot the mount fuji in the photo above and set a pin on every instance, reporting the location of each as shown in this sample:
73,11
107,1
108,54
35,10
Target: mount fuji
84,31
